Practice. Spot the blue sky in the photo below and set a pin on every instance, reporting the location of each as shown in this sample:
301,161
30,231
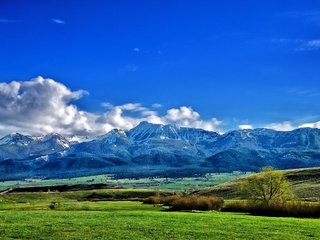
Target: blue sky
239,62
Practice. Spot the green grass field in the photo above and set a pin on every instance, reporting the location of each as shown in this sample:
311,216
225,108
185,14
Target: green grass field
27,216
75,216
134,220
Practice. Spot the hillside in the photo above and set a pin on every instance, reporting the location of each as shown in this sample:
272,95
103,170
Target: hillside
305,184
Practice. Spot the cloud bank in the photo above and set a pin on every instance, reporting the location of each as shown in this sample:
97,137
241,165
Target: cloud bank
129,115
43,106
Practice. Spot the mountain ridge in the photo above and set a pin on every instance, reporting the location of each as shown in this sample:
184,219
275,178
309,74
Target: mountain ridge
158,148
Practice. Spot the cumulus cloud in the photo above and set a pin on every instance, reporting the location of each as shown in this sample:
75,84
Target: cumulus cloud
284,126
245,126
43,105
187,117
126,116
40,106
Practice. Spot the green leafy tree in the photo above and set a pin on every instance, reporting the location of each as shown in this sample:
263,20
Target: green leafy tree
267,187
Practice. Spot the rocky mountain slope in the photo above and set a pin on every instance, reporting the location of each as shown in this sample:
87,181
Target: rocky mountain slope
154,148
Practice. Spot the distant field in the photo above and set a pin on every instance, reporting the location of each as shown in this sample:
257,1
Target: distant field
187,183
133,220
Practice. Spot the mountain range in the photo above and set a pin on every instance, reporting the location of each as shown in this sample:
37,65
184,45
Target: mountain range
155,149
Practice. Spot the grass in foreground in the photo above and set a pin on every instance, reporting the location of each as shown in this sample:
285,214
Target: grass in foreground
133,220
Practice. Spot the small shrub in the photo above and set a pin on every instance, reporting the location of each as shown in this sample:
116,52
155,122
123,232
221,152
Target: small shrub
288,209
190,202
167,201
152,200
193,202
53,205
236,206
276,209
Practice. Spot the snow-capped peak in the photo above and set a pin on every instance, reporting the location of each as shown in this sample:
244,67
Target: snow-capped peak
15,138
147,130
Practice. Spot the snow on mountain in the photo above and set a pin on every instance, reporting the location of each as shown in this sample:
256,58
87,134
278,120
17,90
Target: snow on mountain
18,146
161,147
114,144
48,144
145,131
16,139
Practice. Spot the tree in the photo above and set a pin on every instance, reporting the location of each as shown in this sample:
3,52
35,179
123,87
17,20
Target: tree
266,187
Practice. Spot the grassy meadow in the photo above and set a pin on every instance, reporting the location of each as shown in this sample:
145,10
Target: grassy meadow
28,216
120,214
134,220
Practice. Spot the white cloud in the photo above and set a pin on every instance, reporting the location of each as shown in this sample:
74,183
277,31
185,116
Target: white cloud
245,126
288,126
187,117
156,105
313,44
310,125
309,45
284,126
58,21
107,105
42,106
298,45
183,114
120,117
